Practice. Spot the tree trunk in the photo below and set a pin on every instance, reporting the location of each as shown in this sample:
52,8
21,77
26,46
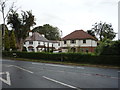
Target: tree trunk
20,44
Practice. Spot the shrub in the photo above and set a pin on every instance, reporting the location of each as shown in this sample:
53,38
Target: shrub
68,57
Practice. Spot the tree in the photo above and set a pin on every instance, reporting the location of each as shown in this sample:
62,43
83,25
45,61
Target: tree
5,15
12,41
104,30
102,44
21,25
50,32
6,41
92,33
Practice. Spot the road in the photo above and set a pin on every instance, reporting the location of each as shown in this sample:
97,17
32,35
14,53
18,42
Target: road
24,74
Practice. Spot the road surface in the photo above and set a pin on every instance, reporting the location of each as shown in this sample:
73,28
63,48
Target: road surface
24,74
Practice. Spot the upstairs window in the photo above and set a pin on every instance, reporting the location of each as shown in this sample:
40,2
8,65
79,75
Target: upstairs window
58,44
30,42
84,41
73,41
65,42
39,42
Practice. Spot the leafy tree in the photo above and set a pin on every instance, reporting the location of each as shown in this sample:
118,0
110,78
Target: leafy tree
12,41
92,33
6,41
108,47
50,32
104,30
21,25
5,13
112,49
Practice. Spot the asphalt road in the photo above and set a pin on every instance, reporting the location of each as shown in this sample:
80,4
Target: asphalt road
23,74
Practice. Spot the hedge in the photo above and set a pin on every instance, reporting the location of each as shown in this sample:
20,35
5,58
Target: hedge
67,57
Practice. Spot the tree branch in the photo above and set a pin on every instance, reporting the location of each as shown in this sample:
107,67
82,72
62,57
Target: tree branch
9,10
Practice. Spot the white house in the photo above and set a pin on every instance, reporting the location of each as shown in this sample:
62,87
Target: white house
38,43
78,41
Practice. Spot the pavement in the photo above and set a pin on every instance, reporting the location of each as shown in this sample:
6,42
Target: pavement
25,74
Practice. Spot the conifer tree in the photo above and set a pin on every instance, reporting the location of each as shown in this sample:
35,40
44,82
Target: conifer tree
12,40
6,41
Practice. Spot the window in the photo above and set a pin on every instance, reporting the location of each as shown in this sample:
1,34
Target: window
31,49
24,42
65,42
39,42
58,44
84,41
73,41
30,42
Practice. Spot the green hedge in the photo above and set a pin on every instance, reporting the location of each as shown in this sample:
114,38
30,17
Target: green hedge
68,57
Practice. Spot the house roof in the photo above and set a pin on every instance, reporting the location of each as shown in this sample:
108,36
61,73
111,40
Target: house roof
78,34
36,37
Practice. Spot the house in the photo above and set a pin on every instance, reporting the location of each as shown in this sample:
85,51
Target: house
78,41
36,42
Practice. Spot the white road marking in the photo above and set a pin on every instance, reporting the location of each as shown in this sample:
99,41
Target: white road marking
8,81
21,68
59,65
81,67
50,79
6,61
38,63
54,65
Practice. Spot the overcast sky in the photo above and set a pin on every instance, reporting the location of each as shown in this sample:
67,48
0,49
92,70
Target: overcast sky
70,15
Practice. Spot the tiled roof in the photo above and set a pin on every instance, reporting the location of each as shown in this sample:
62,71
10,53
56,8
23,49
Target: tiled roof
36,37
78,34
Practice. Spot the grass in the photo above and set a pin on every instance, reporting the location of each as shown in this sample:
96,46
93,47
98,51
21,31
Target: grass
65,63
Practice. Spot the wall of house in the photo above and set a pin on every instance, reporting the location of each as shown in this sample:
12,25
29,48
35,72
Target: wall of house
79,43
64,50
36,43
56,45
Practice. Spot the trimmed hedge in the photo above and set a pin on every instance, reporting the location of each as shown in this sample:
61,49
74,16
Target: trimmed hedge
68,57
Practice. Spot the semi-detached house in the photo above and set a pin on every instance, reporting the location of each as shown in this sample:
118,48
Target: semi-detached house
36,42
78,41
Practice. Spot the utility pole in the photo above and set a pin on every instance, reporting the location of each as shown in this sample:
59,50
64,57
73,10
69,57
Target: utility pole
61,44
119,20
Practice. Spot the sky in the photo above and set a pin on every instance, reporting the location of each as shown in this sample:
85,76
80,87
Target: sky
70,15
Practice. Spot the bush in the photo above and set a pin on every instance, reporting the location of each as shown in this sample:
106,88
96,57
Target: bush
108,48
68,57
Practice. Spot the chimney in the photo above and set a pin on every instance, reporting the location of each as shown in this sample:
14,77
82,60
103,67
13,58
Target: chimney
30,33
